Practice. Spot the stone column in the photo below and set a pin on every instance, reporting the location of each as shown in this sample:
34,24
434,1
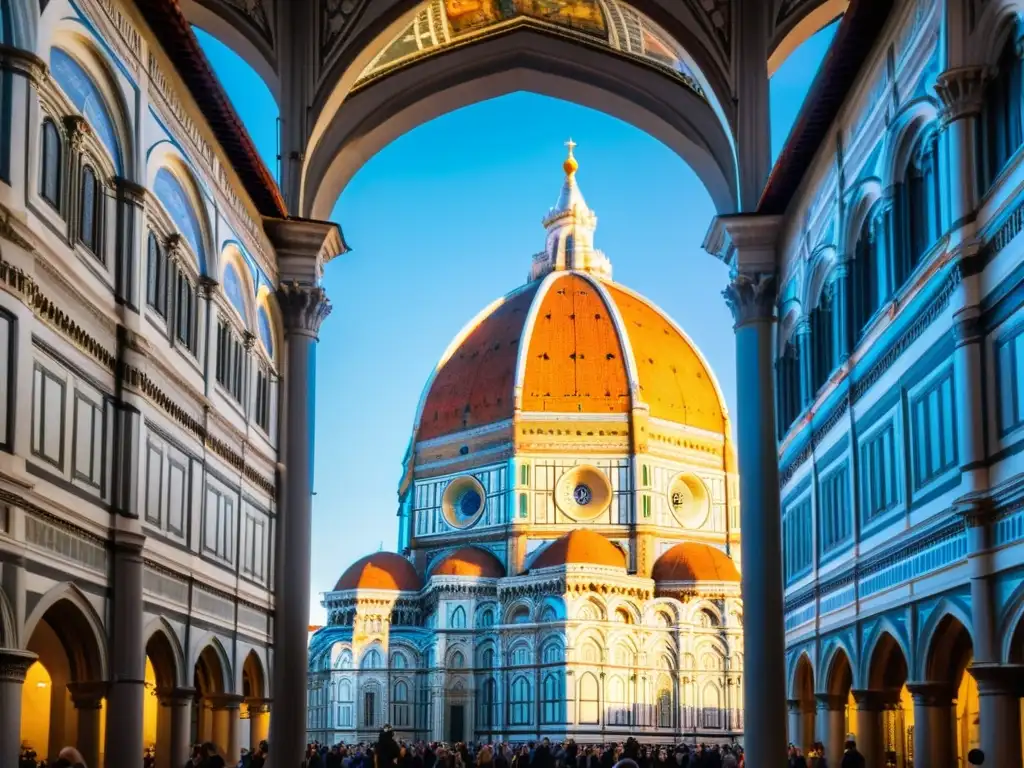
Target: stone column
225,724
870,735
259,720
803,347
301,248
934,724
832,725
88,701
795,732
127,653
13,666
176,706
841,310
747,243
999,693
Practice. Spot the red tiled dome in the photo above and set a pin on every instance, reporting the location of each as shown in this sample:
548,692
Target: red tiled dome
582,337
690,561
470,561
580,547
381,570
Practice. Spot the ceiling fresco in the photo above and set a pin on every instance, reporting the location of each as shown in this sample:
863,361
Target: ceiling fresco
442,24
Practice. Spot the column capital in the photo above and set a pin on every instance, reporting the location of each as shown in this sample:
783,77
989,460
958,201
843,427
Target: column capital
871,700
14,663
998,679
932,694
831,701
258,706
751,296
88,695
77,128
130,191
960,91
175,697
303,247
976,510
746,242
303,308
225,700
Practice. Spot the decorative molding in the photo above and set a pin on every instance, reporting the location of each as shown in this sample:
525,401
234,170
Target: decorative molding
960,91
337,18
751,296
303,308
23,62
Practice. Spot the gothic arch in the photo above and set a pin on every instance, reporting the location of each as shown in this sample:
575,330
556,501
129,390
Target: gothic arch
937,623
211,665
75,622
801,676
517,609
886,665
253,680
835,673
165,653
914,119
520,60
946,648
878,640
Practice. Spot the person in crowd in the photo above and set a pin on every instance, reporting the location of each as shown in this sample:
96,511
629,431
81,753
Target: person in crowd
852,758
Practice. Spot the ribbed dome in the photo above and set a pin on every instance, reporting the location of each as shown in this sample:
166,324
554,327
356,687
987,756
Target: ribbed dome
569,343
581,547
691,561
470,561
381,570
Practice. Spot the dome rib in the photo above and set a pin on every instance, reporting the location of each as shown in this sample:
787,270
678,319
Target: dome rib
471,562
580,547
381,570
693,561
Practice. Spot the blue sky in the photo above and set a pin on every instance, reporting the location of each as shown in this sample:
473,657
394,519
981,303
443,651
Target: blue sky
441,227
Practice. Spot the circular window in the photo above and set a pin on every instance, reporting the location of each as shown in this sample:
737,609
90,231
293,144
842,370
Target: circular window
688,498
463,501
583,493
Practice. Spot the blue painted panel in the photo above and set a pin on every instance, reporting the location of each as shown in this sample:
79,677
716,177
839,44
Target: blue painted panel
835,524
797,535
933,430
86,96
233,289
172,195
879,488
266,334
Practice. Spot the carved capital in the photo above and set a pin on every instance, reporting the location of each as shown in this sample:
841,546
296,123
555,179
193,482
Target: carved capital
249,340
751,296
932,694
960,91
225,701
14,664
23,62
175,697
998,679
130,192
88,695
869,700
174,244
829,701
208,286
77,128
303,308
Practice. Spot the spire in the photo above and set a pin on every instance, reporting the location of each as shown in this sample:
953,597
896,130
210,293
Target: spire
570,225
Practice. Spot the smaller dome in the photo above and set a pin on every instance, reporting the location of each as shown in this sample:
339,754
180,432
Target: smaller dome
691,561
381,570
470,561
581,547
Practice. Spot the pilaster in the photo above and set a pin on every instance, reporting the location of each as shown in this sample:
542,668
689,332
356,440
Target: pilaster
176,709
960,91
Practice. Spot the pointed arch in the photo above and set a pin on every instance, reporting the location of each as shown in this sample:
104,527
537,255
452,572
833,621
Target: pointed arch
801,678
78,626
254,682
947,649
165,653
836,670
211,666
879,641
934,625
887,666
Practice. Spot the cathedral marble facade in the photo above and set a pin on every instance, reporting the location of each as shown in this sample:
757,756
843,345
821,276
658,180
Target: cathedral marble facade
567,514
898,373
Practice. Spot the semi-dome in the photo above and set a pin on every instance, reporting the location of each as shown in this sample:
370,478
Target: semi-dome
692,561
470,561
381,570
569,341
580,547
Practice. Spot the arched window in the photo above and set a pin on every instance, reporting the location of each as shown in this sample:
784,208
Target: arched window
521,615
487,658
664,703
398,661
372,660
91,212
400,716
1001,124
85,95
617,706
549,614
591,653
712,713
457,618
787,376
266,332
519,702
487,618
552,652
868,286
173,197
823,359
457,661
918,215
551,698
233,289
156,276
185,310
50,164
345,704
488,703
345,660
590,700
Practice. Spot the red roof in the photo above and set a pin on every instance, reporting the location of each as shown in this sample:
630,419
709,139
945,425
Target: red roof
691,561
381,570
470,561
582,547
167,21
